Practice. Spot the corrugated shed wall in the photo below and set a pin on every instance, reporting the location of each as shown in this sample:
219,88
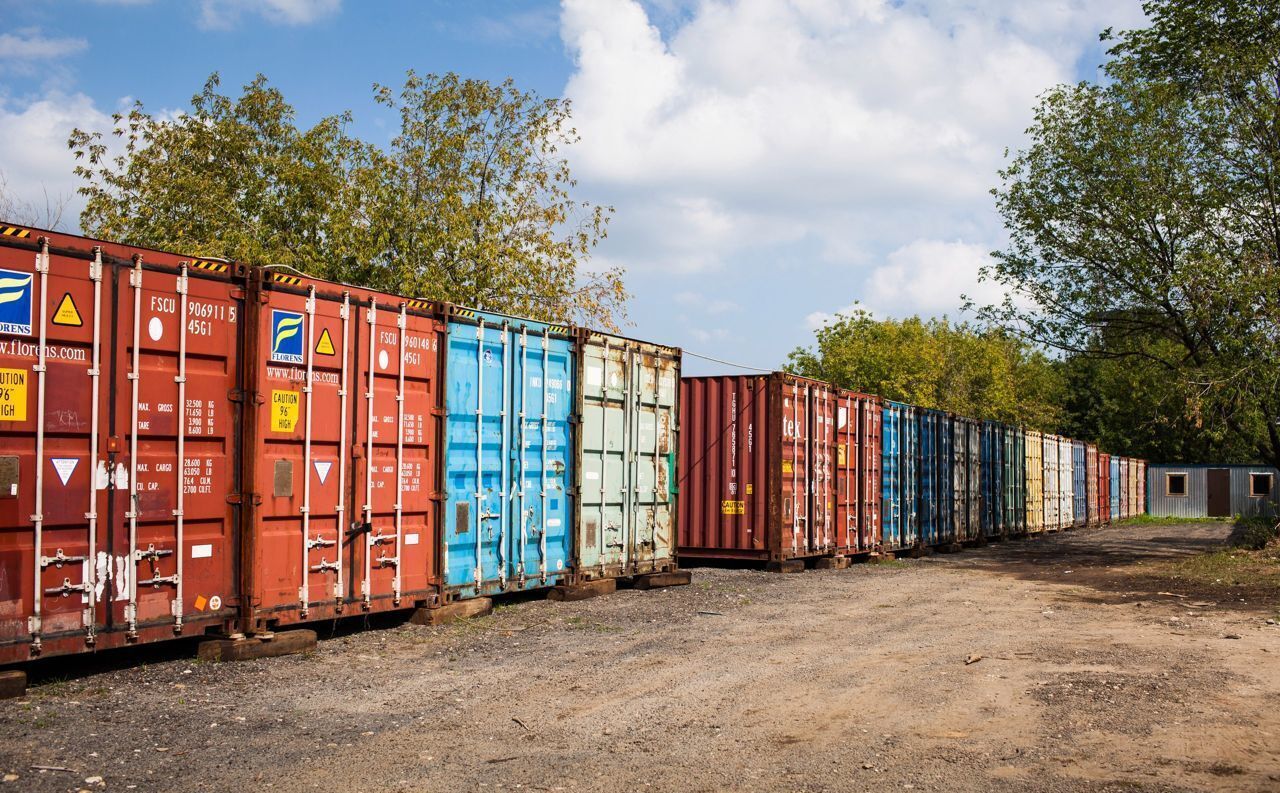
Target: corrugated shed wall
1195,504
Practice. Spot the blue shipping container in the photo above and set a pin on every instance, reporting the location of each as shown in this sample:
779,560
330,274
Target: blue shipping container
1079,483
892,511
992,466
508,455
935,478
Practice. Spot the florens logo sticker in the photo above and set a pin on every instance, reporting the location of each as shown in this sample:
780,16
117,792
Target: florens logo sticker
286,336
15,302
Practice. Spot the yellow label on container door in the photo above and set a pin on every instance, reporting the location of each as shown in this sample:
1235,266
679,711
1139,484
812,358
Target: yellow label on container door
840,454
786,466
284,410
750,489
733,508
13,394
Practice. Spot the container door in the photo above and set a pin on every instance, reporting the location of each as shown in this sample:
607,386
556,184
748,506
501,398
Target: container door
55,567
908,477
172,527
797,537
848,463
822,450
890,491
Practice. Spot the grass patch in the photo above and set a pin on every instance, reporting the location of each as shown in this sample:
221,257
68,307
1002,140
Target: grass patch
1231,567
1163,520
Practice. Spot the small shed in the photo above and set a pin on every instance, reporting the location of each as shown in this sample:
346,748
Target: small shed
1211,491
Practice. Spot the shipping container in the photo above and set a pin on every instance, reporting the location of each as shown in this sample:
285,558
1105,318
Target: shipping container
1093,497
960,490
859,438
1066,484
120,459
992,478
928,487
627,441
1079,486
1052,479
1113,486
345,444
1035,470
1125,482
1104,488
753,467
894,510
508,454
1014,499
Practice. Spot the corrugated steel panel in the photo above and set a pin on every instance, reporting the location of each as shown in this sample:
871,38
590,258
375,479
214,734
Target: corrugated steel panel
119,448
1113,489
1126,482
859,437
1035,477
935,478
992,479
508,456
751,472
895,509
1142,486
1052,482
1066,492
1104,488
627,440
1015,480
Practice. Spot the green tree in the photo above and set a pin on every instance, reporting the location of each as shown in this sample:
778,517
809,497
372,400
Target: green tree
470,203
933,363
1143,218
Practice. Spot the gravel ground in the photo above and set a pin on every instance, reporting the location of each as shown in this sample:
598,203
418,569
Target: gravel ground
1089,679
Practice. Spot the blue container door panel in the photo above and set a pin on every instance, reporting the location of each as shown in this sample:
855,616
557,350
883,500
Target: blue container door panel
507,460
890,477
1115,489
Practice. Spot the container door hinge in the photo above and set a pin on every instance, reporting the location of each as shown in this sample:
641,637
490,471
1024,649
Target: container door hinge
235,498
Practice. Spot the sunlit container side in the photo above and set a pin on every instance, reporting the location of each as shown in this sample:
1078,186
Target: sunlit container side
119,450
1079,486
508,456
928,489
1035,498
1135,507
1092,497
893,509
859,437
627,437
1052,479
910,530
1104,488
751,473
1113,486
992,479
345,463
946,479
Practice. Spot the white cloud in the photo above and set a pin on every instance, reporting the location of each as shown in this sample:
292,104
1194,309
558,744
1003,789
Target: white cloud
226,14
23,48
846,128
37,162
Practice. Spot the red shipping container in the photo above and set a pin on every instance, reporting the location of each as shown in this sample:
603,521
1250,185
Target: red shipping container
757,455
119,455
348,384
858,450
1104,488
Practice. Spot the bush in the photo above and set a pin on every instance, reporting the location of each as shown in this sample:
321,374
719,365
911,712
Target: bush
1254,532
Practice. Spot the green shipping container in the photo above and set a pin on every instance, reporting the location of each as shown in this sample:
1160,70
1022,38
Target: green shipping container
627,448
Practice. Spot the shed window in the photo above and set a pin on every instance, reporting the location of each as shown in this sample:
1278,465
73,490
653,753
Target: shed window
1175,484
1260,485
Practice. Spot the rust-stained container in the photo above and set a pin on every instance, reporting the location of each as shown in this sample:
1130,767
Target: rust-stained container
756,457
348,393
1104,488
859,438
1035,470
119,449
1125,484
1142,506
627,439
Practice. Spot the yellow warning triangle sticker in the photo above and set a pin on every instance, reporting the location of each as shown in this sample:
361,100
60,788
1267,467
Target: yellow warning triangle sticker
67,314
325,345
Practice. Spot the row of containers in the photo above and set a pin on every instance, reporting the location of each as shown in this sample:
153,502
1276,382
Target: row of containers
779,467
198,447
194,447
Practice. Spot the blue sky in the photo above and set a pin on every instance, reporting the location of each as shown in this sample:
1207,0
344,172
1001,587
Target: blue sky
771,162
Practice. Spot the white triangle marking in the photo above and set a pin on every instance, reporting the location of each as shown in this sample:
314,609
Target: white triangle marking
322,469
64,466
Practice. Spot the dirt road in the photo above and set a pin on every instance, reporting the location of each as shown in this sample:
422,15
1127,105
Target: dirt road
1089,680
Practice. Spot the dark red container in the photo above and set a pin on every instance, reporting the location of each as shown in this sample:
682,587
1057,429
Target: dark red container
1104,488
119,452
348,393
756,468
858,484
